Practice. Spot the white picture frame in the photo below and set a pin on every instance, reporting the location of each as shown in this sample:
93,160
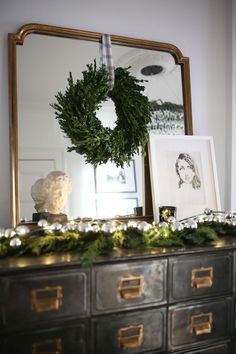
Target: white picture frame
120,207
183,174
112,179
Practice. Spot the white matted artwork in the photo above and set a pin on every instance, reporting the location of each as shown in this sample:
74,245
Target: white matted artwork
117,207
112,179
183,174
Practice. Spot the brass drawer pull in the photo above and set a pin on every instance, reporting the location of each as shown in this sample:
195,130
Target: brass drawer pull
202,323
130,287
131,336
46,299
49,346
202,277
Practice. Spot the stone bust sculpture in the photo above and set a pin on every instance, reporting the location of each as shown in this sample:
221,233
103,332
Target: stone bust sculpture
50,193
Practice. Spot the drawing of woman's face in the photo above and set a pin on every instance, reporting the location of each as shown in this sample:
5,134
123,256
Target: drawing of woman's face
185,171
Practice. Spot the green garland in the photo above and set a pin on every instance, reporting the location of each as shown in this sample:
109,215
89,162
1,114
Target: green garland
76,113
91,239
92,244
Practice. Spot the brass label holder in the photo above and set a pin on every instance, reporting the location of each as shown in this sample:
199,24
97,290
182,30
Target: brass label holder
48,346
202,277
46,299
202,323
131,336
130,287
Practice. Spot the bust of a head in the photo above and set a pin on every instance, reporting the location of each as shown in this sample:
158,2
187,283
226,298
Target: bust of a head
50,193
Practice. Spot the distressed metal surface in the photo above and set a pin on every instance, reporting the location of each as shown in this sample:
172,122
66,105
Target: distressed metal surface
180,330
19,307
106,329
61,340
106,296
181,272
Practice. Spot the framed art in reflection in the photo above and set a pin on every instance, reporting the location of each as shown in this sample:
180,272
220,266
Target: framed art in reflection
183,174
167,118
112,179
114,207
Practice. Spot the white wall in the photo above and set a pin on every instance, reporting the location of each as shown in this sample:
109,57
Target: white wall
233,127
200,28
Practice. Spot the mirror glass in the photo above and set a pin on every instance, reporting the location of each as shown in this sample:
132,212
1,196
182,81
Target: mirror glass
43,64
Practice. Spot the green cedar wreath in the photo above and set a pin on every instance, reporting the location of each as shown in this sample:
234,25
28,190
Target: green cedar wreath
76,112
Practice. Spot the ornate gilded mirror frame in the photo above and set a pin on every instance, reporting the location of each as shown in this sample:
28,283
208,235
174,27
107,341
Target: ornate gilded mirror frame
17,38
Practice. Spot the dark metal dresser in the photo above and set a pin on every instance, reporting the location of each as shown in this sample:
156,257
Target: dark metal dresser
160,301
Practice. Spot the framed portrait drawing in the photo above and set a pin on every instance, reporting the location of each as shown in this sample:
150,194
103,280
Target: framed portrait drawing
112,179
183,174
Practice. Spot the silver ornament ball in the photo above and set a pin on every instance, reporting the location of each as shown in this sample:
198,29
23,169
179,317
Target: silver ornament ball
191,224
207,211
71,226
56,226
84,227
171,219
42,223
177,226
144,226
95,228
22,230
15,242
132,223
229,215
10,232
108,227
163,224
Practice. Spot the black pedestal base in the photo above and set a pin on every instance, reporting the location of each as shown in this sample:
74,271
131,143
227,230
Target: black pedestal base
51,218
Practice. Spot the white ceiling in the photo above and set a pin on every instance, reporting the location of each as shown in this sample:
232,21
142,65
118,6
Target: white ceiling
44,63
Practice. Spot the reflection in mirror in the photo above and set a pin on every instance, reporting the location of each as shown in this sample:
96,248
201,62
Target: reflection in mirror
43,66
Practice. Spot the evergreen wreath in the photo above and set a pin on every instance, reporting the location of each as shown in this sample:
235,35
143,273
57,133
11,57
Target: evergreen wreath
76,112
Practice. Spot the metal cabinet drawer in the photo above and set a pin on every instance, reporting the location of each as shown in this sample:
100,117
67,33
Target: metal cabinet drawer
45,296
215,349
234,266
69,340
124,286
200,323
1,301
235,317
199,276
136,332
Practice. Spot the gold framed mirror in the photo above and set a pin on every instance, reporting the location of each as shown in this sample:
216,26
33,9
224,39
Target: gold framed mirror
35,50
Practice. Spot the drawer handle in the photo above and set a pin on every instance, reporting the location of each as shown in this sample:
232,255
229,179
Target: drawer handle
49,346
46,299
131,336
202,323
131,287
202,278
